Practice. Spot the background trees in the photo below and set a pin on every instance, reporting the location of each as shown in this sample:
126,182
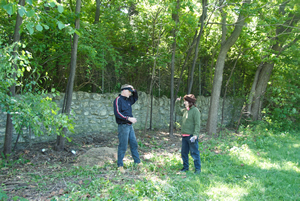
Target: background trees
120,40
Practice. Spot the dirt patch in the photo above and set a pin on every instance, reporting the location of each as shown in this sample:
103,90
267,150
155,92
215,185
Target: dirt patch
97,157
40,160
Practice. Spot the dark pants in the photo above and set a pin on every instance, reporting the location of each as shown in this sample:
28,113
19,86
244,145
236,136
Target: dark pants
193,148
126,134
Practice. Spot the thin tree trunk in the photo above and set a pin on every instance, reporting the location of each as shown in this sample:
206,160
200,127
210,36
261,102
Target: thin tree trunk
203,17
185,62
95,72
9,125
97,14
69,91
153,71
226,87
176,19
151,109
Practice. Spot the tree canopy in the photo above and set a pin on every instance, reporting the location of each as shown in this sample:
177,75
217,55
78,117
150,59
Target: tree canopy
130,41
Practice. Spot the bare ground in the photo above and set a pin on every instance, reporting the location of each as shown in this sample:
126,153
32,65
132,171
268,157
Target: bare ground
31,163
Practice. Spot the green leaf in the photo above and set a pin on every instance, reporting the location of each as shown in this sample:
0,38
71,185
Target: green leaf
22,11
29,27
60,8
39,27
78,33
29,2
30,13
52,4
46,26
60,25
10,8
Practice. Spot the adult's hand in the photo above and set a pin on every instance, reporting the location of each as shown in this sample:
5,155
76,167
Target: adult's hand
178,99
131,87
132,120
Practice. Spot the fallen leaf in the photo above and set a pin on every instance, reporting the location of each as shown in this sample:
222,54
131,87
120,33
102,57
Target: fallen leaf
61,191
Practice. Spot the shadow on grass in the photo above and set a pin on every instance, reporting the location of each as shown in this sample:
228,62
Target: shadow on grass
264,168
270,172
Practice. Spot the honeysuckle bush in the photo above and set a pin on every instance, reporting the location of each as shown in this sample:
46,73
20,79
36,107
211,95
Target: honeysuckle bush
31,107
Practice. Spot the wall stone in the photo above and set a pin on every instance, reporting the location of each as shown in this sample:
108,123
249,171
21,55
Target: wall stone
93,113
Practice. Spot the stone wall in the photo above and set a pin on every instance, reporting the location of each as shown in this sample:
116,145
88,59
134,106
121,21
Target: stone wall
93,113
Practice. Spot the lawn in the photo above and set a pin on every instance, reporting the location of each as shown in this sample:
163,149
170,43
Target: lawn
255,164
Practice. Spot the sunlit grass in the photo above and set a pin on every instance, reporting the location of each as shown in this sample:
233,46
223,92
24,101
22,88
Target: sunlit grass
226,192
246,167
256,164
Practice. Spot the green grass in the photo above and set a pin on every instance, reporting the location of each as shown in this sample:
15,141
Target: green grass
256,164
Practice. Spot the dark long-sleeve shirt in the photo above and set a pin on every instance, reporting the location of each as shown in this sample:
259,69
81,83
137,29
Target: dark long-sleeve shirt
122,107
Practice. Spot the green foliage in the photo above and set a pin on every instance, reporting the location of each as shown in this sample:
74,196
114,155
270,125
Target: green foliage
130,35
39,112
3,195
5,162
32,17
283,96
31,109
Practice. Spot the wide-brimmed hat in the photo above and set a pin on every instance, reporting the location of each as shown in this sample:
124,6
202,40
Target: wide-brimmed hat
190,98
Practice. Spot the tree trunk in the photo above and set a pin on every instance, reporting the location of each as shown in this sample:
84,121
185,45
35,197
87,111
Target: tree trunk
95,74
185,62
203,17
153,70
69,91
261,86
264,70
176,19
218,77
151,109
226,86
97,14
9,125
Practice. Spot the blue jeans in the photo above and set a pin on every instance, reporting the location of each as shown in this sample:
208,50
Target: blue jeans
193,148
126,134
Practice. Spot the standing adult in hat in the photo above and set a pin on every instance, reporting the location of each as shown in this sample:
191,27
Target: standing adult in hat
190,129
125,119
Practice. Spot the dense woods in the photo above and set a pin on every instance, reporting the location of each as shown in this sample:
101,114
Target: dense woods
247,49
